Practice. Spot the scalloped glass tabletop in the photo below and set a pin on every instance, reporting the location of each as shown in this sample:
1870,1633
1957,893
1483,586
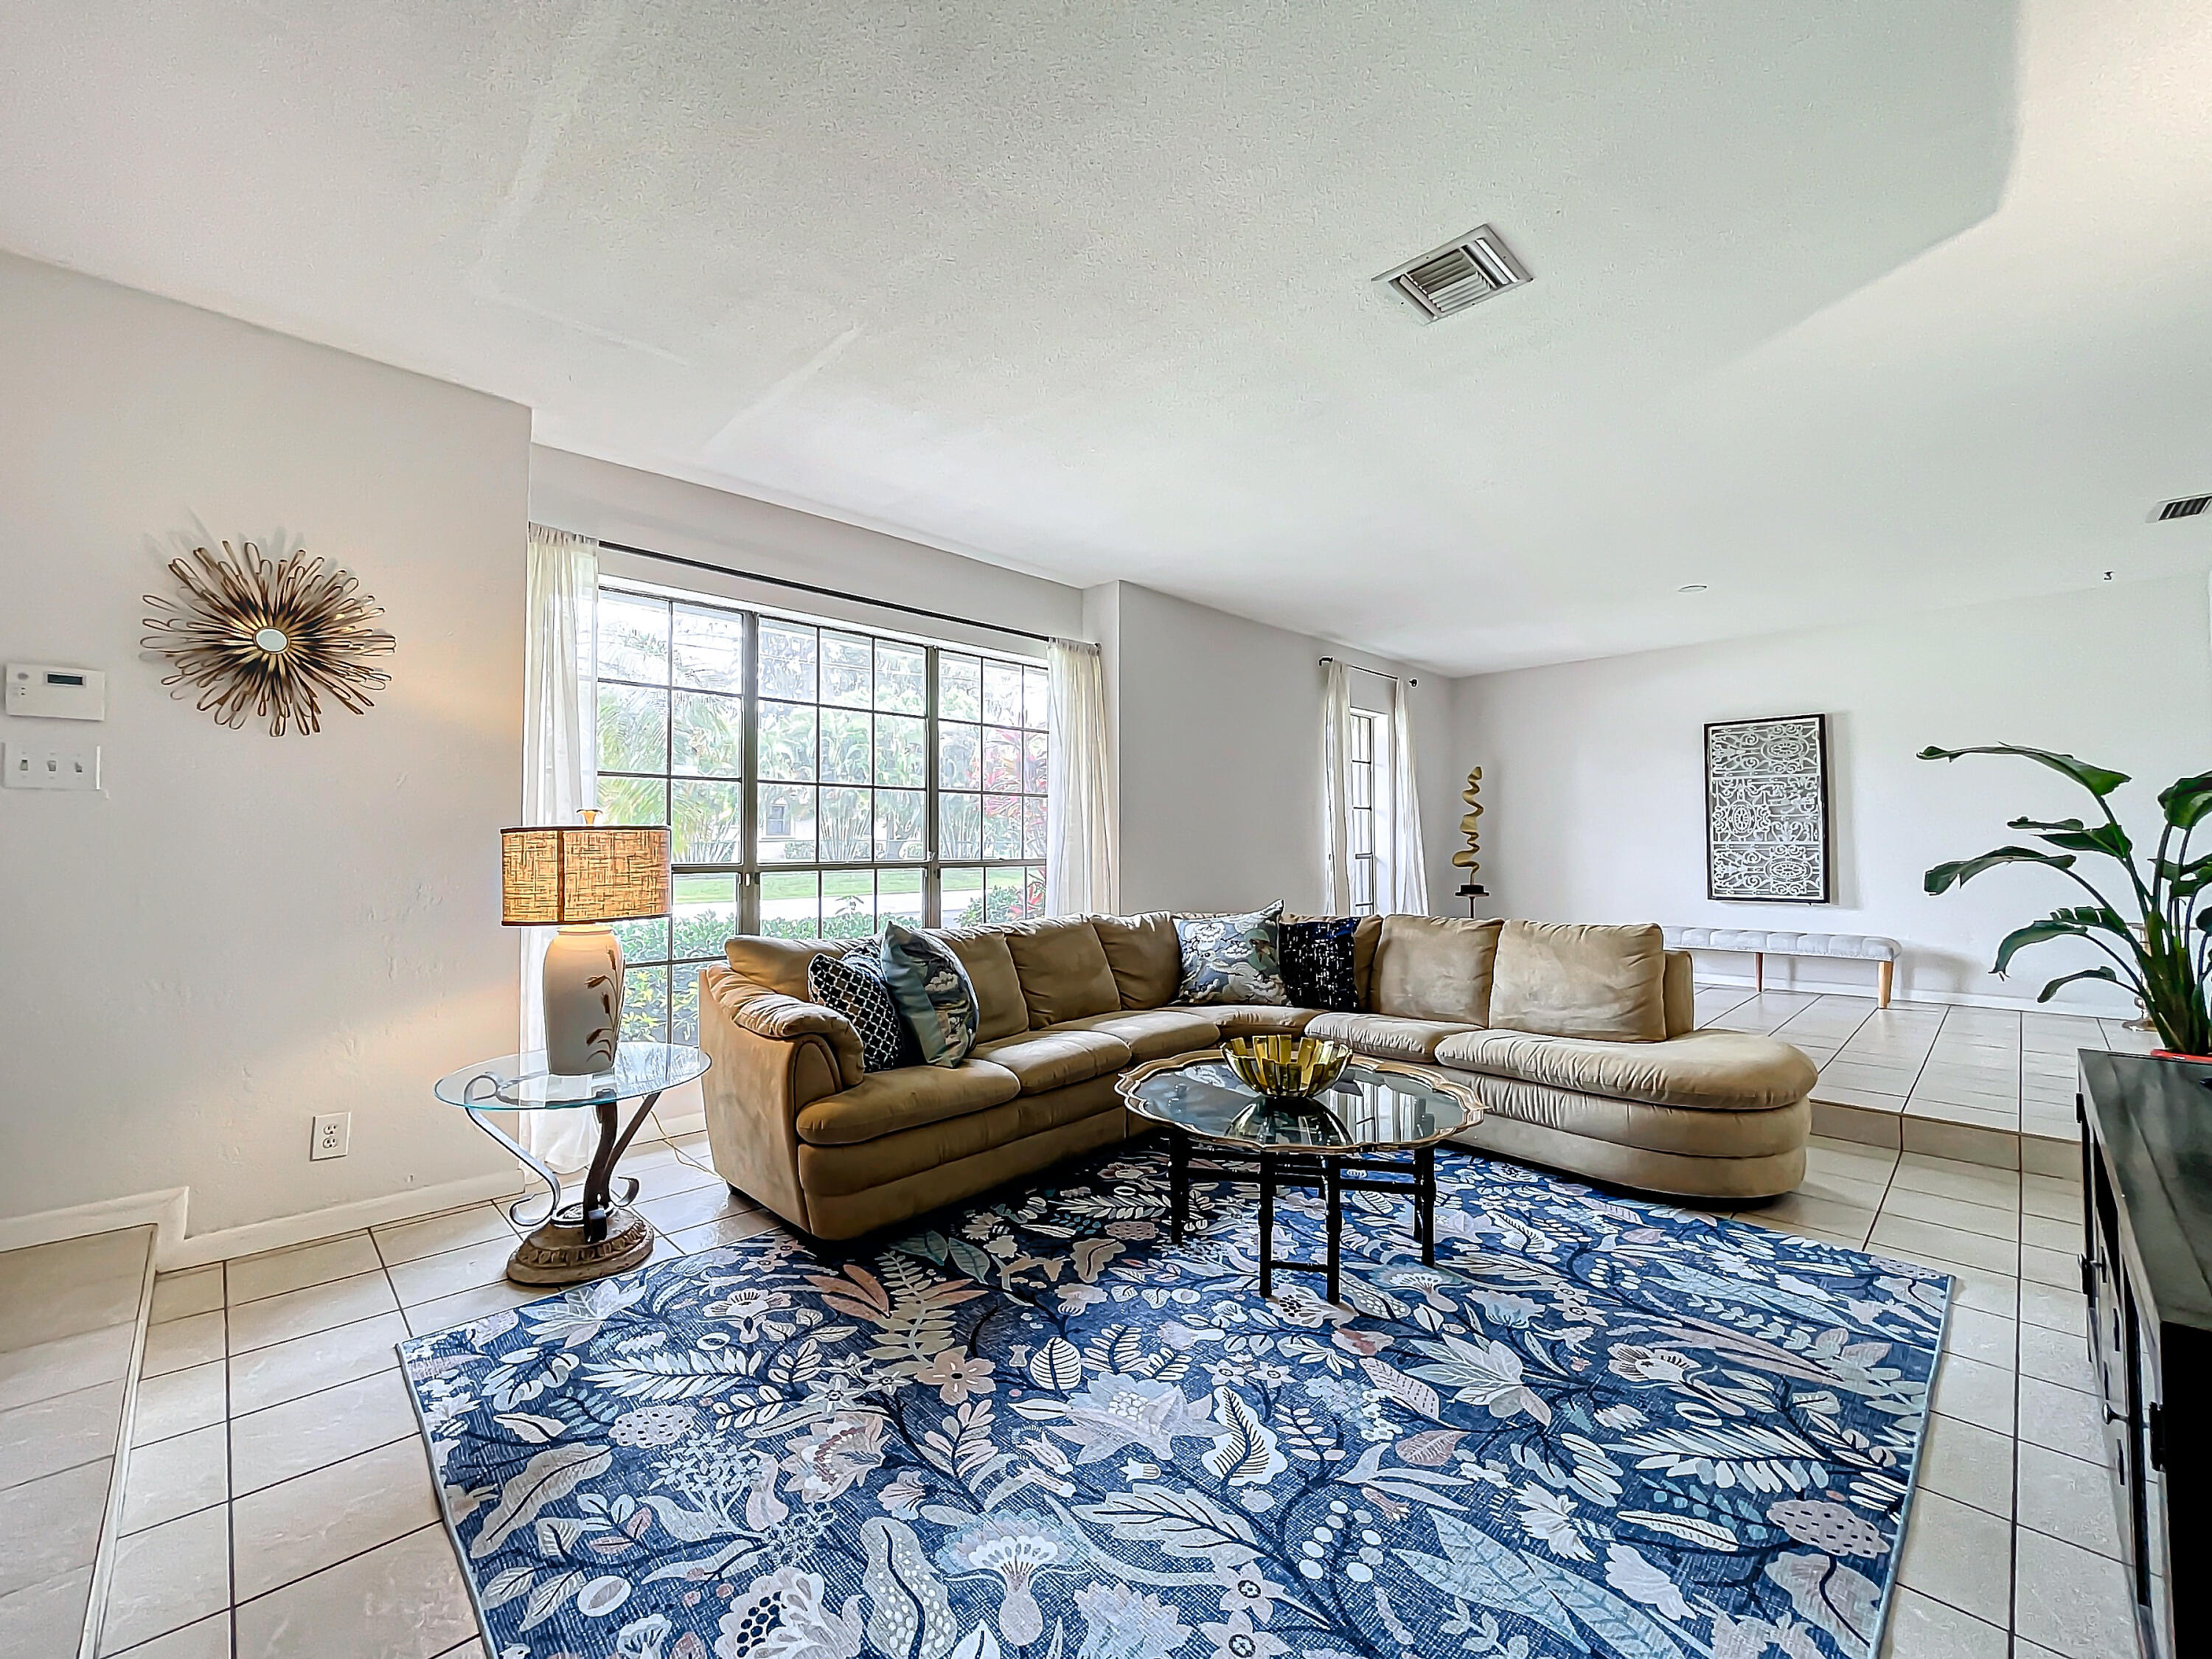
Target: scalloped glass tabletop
521,1083
1370,1108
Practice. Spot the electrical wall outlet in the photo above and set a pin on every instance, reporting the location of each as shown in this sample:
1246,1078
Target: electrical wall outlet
333,1135
51,766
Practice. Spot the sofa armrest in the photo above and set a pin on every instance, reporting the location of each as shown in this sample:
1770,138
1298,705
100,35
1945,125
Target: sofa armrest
773,1056
753,1007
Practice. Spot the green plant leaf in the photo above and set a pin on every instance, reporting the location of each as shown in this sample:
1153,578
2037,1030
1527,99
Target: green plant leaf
2099,972
2187,801
2036,933
1959,872
2077,837
2096,780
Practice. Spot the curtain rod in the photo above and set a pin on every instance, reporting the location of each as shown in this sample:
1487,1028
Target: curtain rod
1377,672
826,593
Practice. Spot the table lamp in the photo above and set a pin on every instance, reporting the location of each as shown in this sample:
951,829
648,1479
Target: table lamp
578,879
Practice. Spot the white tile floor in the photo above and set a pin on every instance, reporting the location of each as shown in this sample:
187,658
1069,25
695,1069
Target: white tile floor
70,1315
1956,1082
277,1503
278,1498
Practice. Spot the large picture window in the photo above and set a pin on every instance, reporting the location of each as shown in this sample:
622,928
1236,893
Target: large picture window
816,780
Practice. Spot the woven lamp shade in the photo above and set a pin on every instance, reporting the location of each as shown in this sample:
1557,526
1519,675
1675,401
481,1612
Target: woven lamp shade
589,873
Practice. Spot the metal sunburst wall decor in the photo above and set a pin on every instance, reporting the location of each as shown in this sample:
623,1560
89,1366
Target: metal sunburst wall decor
269,638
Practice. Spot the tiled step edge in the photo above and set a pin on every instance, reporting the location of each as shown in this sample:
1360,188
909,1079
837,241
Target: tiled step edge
2001,1149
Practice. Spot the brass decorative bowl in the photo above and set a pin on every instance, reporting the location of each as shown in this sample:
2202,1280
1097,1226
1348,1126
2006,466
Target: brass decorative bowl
1286,1067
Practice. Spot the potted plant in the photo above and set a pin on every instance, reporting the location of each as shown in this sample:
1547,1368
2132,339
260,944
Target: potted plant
2161,955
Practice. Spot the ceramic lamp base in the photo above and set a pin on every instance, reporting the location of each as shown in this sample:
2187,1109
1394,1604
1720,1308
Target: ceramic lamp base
583,991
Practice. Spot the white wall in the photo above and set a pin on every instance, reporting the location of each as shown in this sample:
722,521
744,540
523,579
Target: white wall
1593,784
243,931
1218,723
644,509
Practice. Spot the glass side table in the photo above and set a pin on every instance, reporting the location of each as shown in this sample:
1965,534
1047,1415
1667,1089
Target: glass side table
1374,1130
597,1234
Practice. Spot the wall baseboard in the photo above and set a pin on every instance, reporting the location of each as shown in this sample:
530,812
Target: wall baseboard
282,1231
1905,993
173,1250
164,1211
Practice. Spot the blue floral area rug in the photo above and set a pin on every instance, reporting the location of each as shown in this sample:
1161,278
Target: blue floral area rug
1036,1429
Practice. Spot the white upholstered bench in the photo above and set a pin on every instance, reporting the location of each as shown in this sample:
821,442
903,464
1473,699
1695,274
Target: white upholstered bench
1762,943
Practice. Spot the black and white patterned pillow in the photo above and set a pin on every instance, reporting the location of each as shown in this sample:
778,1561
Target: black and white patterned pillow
853,985
1318,963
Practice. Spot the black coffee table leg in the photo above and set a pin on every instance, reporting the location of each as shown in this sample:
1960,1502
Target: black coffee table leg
1178,1182
1424,1204
1335,1178
1266,1224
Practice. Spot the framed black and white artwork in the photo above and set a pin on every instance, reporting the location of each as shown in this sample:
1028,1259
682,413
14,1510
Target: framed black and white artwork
1767,810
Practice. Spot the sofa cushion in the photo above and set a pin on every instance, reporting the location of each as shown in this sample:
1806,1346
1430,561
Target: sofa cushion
1054,1059
853,984
1712,1070
778,964
1678,994
1231,958
1364,938
883,1102
1142,952
1563,980
1319,959
1256,1019
1387,1036
931,988
1001,1009
1433,967
1063,969
1681,1131
1152,1033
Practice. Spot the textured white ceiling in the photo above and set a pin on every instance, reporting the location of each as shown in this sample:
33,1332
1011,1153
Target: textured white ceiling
1838,307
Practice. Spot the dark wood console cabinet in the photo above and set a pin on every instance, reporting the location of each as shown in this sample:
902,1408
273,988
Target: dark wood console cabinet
2146,1189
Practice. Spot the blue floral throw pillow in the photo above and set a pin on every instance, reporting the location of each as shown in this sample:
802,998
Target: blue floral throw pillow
933,992
853,985
1232,958
1318,963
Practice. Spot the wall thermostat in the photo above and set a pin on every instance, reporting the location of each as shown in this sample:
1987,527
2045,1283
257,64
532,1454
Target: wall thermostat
47,691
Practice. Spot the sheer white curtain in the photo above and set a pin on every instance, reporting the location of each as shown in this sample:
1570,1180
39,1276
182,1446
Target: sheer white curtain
1336,789
559,766
1082,871
1408,875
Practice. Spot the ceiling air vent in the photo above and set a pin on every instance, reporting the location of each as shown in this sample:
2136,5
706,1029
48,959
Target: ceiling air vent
2187,507
1459,274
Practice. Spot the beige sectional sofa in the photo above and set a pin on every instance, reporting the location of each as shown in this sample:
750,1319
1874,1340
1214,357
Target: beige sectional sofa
1582,1039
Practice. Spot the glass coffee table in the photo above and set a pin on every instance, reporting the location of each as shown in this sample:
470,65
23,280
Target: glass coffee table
1374,1130
596,1235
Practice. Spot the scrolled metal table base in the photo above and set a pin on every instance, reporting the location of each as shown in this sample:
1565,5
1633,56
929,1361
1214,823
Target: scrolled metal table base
597,1233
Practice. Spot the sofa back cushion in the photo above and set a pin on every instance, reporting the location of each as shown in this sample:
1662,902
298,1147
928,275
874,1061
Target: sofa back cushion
1679,991
779,963
1063,969
1142,952
1433,967
1364,938
1001,1009
1562,979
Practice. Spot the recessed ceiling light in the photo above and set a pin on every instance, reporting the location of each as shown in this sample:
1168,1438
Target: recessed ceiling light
1691,587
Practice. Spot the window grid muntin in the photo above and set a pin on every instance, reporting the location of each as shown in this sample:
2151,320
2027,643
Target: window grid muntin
1360,826
665,973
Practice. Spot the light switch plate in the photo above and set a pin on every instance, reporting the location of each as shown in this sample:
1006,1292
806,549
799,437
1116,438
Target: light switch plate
51,766
41,690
